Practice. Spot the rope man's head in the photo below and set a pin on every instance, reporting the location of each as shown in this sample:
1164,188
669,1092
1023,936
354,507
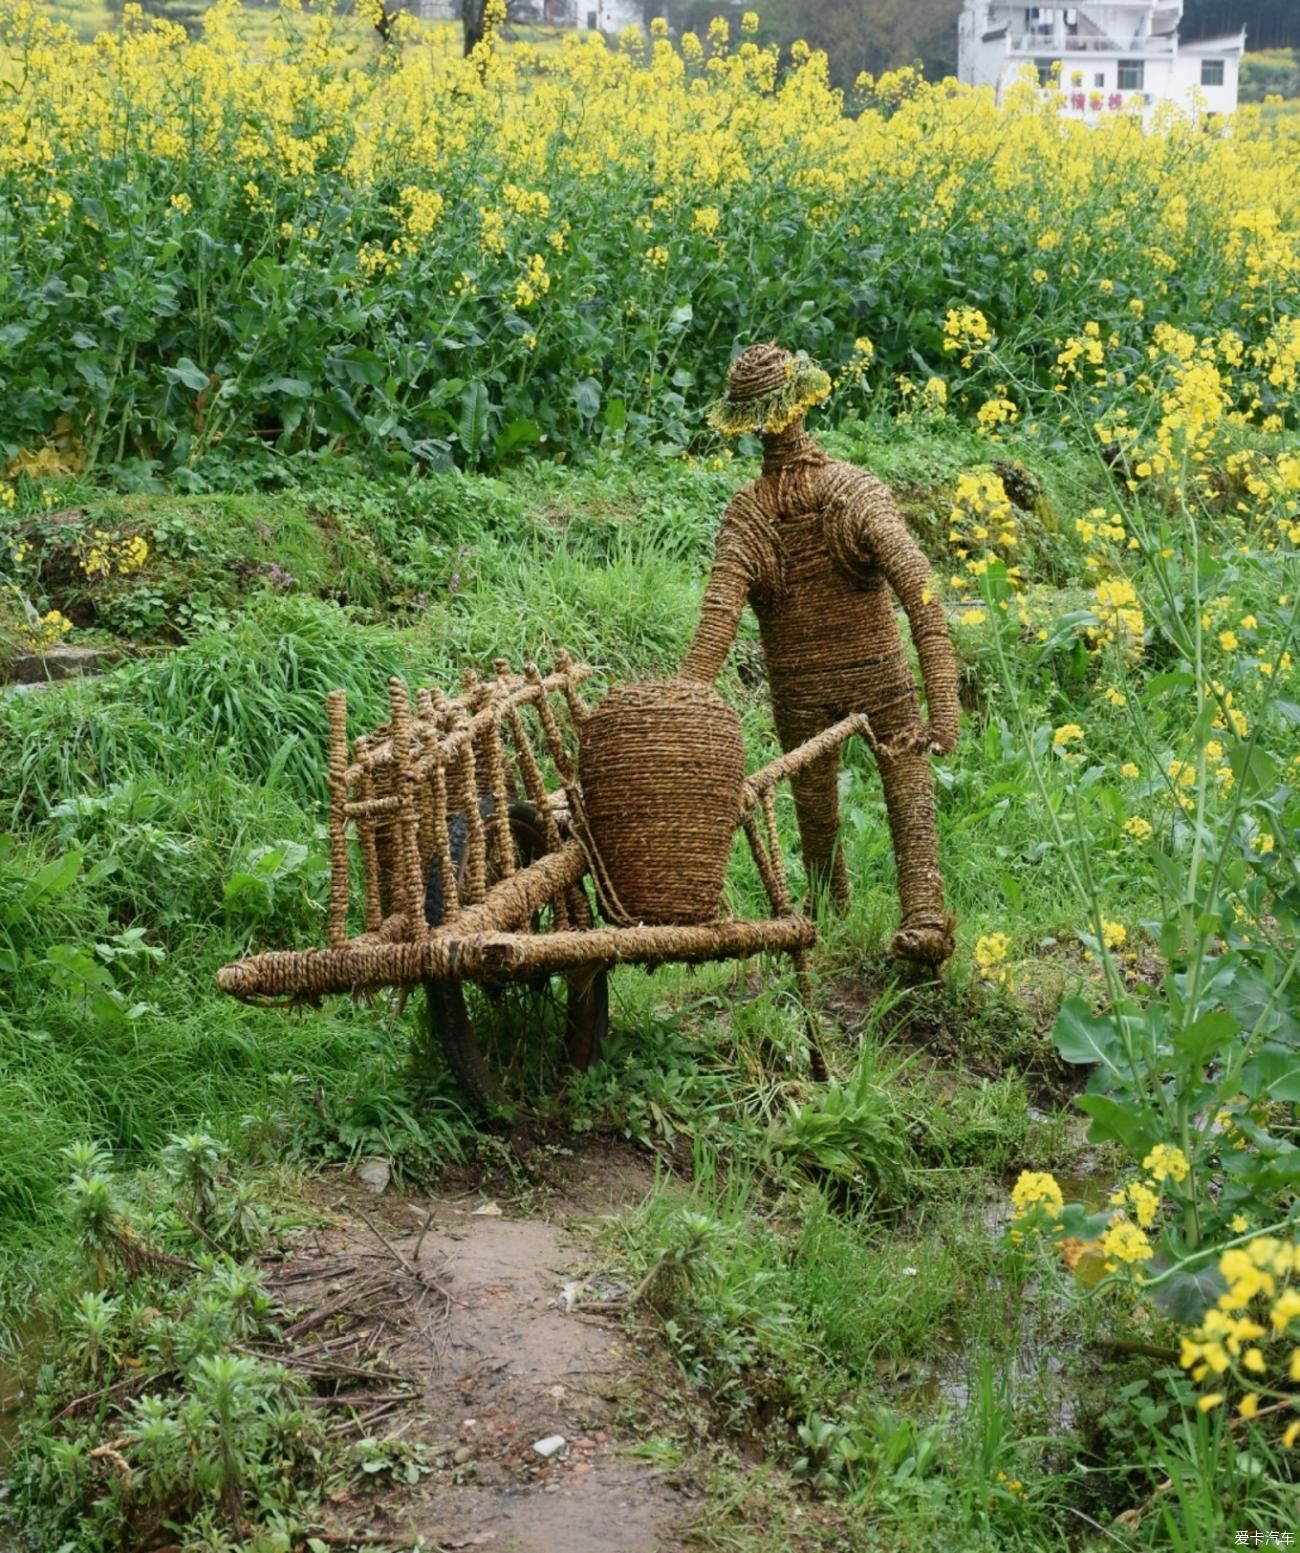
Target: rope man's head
768,389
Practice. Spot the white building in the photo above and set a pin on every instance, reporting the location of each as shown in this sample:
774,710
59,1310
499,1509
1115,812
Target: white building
1123,54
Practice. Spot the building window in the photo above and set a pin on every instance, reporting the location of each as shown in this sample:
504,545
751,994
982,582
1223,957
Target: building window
1130,75
1046,73
1211,72
1099,79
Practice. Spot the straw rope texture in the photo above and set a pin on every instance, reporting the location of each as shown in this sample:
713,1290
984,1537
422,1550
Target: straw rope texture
820,550
660,770
665,766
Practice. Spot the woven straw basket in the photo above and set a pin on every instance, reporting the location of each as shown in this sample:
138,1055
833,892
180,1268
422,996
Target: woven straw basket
660,768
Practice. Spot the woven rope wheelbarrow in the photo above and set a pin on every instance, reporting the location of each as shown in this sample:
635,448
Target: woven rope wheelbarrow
468,817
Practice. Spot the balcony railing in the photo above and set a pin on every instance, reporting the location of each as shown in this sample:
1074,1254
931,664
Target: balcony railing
1041,45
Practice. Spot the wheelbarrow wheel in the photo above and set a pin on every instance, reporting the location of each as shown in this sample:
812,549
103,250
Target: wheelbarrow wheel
463,1022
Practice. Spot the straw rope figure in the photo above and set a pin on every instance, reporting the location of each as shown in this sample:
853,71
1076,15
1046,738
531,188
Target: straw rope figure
816,545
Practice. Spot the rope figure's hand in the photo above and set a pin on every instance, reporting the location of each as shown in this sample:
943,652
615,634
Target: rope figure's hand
938,740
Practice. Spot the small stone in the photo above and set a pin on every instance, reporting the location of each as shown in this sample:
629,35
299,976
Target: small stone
375,1174
552,1445
463,1454
600,1437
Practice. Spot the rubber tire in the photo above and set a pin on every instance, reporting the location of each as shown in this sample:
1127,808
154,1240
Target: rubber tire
450,1026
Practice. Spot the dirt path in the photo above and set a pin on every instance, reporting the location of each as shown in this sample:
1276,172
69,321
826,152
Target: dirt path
496,1354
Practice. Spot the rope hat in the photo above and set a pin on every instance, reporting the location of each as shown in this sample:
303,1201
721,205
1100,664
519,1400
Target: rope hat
768,388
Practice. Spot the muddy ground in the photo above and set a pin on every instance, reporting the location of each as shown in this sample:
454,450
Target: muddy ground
465,1330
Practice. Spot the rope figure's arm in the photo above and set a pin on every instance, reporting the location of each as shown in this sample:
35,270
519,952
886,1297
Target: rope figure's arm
866,528
735,566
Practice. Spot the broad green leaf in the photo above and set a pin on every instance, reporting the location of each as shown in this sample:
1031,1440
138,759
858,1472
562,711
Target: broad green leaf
1255,769
586,396
53,879
1186,1296
1084,1037
187,373
1111,1119
1205,1035
473,418
1273,1073
517,434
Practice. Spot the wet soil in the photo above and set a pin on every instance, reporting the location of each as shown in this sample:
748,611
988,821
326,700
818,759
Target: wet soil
496,1354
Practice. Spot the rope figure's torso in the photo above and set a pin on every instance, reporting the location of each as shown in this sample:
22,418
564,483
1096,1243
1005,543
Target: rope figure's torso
826,619
818,548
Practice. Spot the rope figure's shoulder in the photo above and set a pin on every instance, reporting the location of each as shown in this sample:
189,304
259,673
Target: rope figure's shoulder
856,509
749,527
843,484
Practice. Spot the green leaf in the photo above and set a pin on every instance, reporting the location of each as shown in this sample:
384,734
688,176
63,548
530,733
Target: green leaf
1273,1073
1084,1037
53,879
473,418
518,433
1179,679
586,396
1188,1295
1113,1119
1205,1035
1255,769
364,366
289,387
187,373
615,416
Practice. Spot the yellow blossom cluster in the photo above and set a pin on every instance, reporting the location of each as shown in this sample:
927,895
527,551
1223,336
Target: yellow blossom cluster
966,330
855,370
982,527
535,282
103,554
996,412
990,957
1252,1335
1120,617
45,631
421,210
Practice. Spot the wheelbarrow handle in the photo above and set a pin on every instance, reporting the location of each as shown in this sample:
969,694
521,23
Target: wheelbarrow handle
804,754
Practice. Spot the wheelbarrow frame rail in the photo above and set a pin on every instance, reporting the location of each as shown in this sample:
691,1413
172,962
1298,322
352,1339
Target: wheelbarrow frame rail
445,763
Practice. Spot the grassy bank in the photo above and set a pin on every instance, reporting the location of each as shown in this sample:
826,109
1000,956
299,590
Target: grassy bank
840,1294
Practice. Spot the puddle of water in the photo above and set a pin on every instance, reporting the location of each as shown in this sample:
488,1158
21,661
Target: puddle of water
13,1396
1039,1346
18,1361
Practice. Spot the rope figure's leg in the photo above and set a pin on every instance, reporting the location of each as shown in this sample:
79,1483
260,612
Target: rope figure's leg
925,935
817,807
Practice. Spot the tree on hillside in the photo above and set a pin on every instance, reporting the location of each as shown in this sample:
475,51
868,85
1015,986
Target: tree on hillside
1269,24
185,13
872,35
474,16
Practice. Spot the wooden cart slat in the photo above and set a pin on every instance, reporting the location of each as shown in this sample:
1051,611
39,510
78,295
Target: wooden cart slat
366,963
